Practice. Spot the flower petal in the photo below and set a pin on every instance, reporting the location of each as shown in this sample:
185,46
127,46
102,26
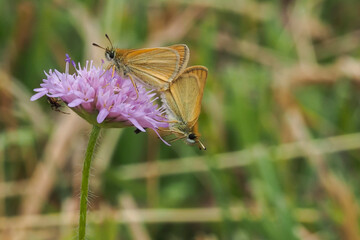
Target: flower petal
76,102
38,95
102,115
160,137
136,124
104,95
40,89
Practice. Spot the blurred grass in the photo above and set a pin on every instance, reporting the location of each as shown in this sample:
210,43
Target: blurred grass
279,72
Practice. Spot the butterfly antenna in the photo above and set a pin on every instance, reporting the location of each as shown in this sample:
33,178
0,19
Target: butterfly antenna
109,40
201,145
97,45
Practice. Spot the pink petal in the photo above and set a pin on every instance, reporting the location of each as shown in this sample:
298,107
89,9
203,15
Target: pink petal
136,124
102,115
76,102
39,89
37,96
161,137
56,95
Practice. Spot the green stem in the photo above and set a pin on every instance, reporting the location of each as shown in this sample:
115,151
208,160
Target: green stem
85,181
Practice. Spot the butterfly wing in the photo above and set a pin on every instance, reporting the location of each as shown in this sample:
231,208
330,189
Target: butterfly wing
172,109
155,67
184,54
185,94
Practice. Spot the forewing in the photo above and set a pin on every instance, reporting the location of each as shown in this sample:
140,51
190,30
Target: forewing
187,91
156,67
184,54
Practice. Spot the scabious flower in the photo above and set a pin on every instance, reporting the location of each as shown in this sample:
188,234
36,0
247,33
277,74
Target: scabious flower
101,98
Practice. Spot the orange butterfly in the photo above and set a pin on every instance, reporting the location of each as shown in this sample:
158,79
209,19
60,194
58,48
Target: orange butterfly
153,67
183,104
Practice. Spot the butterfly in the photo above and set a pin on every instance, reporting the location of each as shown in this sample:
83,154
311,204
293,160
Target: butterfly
183,104
153,67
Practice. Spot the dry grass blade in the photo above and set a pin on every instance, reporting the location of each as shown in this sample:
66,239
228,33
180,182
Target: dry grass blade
55,155
296,126
308,74
226,160
152,181
181,215
175,29
298,131
304,234
14,88
89,28
252,9
298,20
239,158
251,50
338,45
137,229
337,189
11,189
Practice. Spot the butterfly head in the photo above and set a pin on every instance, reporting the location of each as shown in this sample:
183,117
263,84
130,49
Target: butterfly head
192,139
110,53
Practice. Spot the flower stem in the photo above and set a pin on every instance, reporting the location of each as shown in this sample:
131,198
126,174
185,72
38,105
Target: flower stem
85,181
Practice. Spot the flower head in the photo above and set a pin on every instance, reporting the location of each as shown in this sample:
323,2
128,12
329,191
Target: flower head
102,98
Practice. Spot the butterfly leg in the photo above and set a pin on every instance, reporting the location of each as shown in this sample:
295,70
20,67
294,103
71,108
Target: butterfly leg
171,131
165,130
107,69
166,135
175,139
171,121
134,84
168,121
113,72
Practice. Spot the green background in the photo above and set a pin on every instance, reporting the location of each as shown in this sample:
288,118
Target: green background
280,120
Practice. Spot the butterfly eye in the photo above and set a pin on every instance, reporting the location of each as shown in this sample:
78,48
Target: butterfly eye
192,136
109,55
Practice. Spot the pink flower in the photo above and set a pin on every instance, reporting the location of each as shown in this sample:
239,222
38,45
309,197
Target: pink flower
101,99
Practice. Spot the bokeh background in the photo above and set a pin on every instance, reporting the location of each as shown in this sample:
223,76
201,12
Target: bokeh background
280,118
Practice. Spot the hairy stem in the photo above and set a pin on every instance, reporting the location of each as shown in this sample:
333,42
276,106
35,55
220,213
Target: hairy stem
85,181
